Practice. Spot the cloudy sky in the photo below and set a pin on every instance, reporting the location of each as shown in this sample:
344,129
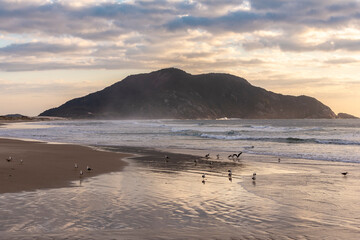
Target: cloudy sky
55,50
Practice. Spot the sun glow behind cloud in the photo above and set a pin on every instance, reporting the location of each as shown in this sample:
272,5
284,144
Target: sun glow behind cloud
292,47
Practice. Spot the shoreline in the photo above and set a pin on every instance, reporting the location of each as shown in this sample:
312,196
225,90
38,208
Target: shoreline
51,165
45,166
293,199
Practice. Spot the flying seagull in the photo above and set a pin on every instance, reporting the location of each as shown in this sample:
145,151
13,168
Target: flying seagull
237,155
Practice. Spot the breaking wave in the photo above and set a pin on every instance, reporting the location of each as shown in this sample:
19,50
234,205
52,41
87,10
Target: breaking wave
235,135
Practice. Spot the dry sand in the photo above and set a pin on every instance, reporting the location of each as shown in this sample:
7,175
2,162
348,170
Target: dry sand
50,165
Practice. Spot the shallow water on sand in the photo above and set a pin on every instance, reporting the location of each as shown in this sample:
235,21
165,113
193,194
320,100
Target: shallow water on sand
153,199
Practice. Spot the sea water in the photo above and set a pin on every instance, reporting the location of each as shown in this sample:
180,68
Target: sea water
324,139
153,199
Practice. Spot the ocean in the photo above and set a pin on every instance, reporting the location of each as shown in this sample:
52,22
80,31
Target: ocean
153,199
324,139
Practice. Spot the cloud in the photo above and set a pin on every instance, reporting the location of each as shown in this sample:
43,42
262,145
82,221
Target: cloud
156,32
26,49
342,61
298,45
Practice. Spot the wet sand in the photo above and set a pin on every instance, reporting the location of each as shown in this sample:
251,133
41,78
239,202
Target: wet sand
155,198
51,165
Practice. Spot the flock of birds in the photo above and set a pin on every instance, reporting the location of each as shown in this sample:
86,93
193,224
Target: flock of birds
88,169
9,159
234,157
81,173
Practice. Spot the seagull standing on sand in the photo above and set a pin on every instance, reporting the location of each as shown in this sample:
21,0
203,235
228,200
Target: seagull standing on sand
279,160
9,159
21,161
254,177
230,173
344,173
203,177
207,156
81,173
75,165
88,168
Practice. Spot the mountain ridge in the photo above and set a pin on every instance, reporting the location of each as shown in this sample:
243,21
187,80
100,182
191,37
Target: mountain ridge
174,93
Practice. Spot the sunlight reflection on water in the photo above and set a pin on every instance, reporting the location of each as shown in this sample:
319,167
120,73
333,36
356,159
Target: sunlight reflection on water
158,199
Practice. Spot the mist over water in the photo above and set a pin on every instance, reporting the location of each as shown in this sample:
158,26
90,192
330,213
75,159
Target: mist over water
331,140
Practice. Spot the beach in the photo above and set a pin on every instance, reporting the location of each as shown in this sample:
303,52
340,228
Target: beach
50,165
152,198
148,196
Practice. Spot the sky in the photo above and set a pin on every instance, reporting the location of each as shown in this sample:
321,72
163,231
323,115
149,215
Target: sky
54,50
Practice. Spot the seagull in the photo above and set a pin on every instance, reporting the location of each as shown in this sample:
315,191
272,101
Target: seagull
81,173
88,168
75,165
21,161
344,173
203,176
217,156
279,160
254,177
237,155
230,173
203,181
9,159
207,156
